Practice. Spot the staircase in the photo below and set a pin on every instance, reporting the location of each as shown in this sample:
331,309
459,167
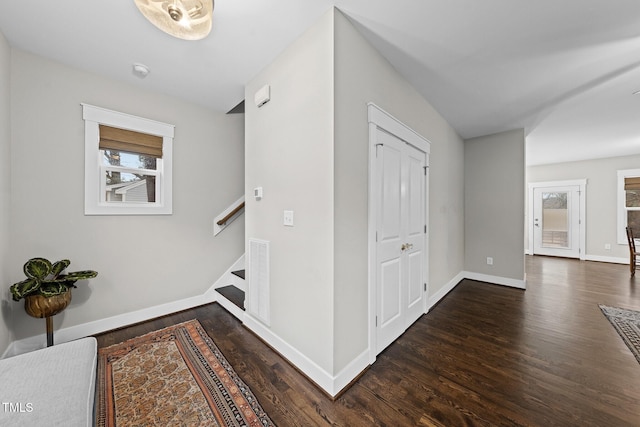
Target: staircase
230,288
231,296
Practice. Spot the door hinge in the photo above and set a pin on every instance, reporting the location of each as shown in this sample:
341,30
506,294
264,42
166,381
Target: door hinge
376,321
376,236
425,287
425,169
381,145
425,229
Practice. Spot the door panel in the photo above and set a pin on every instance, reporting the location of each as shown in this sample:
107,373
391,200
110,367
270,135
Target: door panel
415,273
391,194
415,257
390,293
400,248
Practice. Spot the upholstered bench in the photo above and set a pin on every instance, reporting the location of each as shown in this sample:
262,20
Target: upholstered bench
54,386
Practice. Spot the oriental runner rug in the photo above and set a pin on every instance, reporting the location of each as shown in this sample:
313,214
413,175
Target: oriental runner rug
627,324
175,376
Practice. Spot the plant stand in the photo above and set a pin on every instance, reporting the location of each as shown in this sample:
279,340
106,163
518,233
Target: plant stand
47,307
49,320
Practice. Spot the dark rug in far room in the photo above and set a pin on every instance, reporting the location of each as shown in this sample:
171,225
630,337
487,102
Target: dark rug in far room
627,324
175,376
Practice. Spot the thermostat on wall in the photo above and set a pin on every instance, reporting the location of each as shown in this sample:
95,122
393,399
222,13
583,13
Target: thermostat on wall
262,96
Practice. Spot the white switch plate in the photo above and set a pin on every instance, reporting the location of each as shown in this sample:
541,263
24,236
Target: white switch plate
288,218
489,260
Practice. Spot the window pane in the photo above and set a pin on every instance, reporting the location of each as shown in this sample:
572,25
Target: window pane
129,188
555,220
632,198
129,160
633,221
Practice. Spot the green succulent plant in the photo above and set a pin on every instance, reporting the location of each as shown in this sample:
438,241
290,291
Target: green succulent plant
47,279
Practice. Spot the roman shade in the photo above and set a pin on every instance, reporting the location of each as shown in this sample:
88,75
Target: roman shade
632,183
130,141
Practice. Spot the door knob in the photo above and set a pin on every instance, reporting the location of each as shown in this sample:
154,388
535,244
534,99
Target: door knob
406,246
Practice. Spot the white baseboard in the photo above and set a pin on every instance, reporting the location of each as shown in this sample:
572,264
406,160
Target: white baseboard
600,258
350,372
504,281
611,259
435,298
329,383
235,311
321,377
91,328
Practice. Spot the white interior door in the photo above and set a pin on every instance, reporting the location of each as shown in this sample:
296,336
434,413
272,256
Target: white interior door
556,221
400,231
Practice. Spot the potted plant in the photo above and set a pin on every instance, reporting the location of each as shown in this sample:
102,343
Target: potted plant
47,289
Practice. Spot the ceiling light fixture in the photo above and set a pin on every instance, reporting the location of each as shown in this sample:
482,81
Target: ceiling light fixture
184,19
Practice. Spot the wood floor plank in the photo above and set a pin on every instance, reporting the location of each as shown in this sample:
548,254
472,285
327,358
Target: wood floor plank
486,355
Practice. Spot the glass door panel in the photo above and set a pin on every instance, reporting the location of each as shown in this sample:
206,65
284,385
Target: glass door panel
555,220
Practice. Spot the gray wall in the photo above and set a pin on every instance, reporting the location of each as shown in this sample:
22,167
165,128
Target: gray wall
289,146
362,75
308,149
494,204
5,193
143,261
601,199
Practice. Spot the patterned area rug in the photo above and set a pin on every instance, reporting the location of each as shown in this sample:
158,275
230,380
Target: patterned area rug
172,377
627,323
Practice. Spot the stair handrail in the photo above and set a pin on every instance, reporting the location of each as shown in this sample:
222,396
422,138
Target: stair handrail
231,214
228,216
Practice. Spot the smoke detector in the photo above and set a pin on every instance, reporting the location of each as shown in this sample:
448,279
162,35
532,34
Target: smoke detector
140,70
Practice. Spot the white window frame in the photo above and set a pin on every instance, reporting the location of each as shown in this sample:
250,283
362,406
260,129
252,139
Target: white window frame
94,203
622,208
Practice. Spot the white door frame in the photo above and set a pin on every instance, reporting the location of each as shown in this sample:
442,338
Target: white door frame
380,119
582,183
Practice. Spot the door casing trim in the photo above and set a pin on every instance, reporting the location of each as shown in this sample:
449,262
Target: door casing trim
582,183
380,119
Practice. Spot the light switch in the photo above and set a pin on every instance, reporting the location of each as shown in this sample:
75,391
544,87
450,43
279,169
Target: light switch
288,218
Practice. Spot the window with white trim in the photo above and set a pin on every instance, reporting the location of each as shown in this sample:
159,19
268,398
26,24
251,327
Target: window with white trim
628,203
128,164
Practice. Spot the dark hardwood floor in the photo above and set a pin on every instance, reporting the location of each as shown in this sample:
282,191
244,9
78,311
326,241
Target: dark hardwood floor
486,355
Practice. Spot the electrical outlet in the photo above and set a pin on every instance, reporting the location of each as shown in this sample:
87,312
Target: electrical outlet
489,260
607,246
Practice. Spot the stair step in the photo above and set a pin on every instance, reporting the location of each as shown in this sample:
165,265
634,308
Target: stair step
233,294
239,273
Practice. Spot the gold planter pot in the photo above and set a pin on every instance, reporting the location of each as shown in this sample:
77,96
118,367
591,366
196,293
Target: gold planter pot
45,307
42,307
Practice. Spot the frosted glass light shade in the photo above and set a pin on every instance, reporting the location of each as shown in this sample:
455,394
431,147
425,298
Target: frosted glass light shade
185,19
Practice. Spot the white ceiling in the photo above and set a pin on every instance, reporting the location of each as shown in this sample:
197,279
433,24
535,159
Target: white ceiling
563,70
